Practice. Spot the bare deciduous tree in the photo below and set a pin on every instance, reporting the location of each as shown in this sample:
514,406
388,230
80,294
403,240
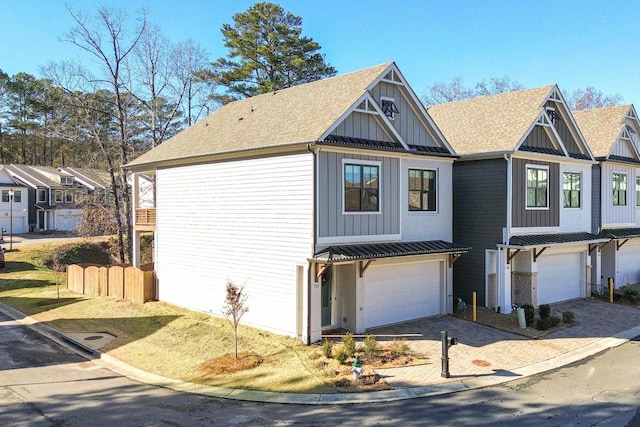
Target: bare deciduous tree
590,97
234,308
455,89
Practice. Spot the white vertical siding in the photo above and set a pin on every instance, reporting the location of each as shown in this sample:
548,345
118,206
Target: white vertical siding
615,216
576,219
428,225
249,221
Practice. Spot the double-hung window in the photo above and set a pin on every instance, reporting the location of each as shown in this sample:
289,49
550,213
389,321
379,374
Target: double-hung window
537,187
361,187
59,196
638,191
41,195
571,189
17,196
68,197
422,190
619,189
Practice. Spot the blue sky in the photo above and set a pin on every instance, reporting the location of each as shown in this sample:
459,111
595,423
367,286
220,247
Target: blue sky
573,43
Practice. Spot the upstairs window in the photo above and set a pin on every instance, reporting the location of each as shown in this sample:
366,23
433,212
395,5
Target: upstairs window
68,197
638,191
554,117
537,187
571,189
66,180
59,196
389,108
422,190
619,189
361,188
41,196
17,196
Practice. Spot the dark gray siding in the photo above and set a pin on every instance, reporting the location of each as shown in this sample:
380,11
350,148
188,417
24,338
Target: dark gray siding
360,125
567,139
332,222
538,138
523,217
479,215
596,200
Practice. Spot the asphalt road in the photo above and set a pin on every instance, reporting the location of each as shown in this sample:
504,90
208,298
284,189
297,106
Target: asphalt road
44,384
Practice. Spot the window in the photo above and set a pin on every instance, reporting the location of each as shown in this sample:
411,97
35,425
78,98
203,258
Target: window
571,189
638,191
42,196
389,108
619,189
422,190
68,197
554,117
537,194
361,188
66,180
59,196
17,196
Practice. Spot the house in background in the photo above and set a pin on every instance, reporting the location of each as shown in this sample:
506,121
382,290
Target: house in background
612,133
54,196
522,198
330,202
13,205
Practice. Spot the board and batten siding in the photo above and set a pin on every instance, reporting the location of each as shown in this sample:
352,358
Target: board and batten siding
523,217
249,221
333,222
615,216
596,199
576,219
360,125
407,123
479,216
538,138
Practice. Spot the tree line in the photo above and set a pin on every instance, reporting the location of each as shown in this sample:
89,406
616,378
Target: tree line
143,88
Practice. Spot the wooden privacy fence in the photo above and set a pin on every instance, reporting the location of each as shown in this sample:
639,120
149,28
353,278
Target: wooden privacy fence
116,281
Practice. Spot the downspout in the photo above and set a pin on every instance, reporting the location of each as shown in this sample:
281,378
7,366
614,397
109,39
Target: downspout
507,231
313,239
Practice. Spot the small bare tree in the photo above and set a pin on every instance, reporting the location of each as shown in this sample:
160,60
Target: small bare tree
234,308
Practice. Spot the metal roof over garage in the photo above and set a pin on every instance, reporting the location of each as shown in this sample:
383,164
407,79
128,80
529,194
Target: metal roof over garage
621,233
536,240
386,250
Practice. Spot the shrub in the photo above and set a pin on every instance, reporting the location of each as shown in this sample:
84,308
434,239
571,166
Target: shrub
78,253
349,343
547,323
370,346
327,348
545,311
568,317
341,354
529,313
631,294
398,348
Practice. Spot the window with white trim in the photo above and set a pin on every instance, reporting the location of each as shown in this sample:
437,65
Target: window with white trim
537,187
422,190
571,189
17,196
638,191
68,197
619,189
388,106
59,196
41,195
361,183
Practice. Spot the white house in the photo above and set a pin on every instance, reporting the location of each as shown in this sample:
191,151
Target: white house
330,202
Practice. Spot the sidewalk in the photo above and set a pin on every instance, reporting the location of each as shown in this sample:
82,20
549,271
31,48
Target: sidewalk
484,357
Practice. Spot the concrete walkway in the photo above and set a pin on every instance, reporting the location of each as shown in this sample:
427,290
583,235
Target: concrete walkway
484,357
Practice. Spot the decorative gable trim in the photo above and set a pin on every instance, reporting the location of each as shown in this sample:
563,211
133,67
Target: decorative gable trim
544,121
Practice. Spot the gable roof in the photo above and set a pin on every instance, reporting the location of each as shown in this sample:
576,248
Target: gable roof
602,127
294,116
494,123
49,177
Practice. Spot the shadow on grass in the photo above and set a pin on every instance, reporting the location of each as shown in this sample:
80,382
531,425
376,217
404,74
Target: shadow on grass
16,266
34,305
12,284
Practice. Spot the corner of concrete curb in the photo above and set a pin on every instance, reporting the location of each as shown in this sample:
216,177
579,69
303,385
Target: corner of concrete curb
472,383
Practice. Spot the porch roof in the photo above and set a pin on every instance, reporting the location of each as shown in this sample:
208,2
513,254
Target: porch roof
536,240
621,233
386,250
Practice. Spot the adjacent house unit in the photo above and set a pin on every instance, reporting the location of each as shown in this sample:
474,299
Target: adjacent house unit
612,135
54,196
330,202
522,200
13,205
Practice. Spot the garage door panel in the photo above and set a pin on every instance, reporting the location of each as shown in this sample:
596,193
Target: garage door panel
559,277
395,293
628,264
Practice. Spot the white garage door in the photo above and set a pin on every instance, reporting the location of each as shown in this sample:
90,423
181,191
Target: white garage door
395,293
66,222
559,277
628,263
18,225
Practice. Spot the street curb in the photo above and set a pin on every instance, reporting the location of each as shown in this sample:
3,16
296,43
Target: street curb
472,383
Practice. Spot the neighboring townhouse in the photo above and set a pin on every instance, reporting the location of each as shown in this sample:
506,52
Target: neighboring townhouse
330,202
612,134
522,198
13,205
55,196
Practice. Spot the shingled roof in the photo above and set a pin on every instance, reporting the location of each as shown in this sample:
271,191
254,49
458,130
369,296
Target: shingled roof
296,115
495,123
601,127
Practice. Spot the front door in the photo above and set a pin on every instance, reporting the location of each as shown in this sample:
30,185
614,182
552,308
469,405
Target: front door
327,284
40,224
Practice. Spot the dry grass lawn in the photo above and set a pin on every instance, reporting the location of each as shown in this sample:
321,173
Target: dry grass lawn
175,342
